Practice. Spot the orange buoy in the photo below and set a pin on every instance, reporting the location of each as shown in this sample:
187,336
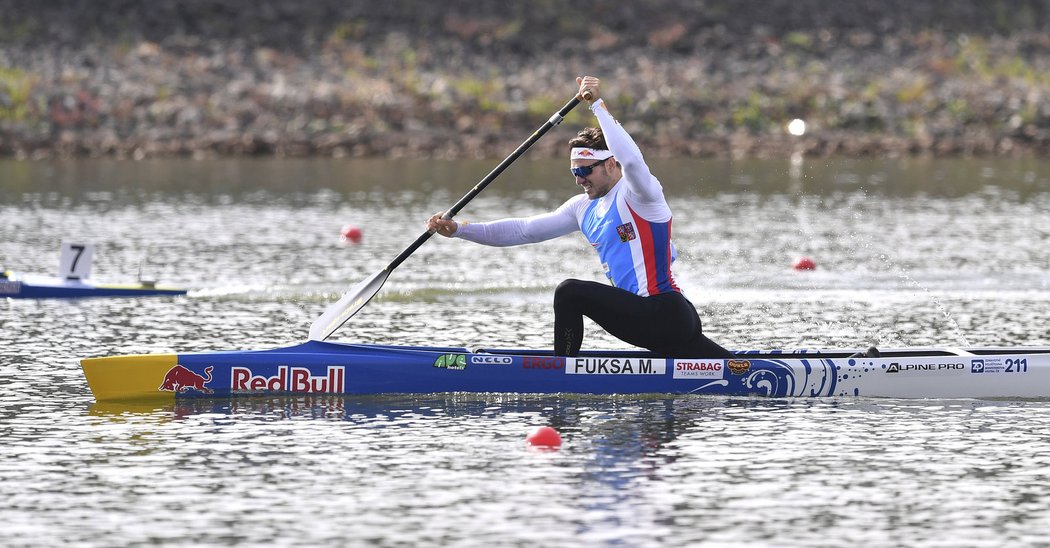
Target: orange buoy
544,436
805,263
351,233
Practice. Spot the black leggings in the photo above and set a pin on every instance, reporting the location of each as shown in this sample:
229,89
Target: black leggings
666,323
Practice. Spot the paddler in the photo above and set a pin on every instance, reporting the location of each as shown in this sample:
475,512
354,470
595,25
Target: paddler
624,215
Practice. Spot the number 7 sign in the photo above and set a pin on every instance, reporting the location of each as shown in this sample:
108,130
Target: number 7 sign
74,263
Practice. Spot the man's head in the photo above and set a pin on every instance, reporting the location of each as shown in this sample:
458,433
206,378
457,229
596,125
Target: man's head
592,164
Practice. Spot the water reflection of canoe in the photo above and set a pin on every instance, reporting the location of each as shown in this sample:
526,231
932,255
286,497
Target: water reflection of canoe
32,286
321,368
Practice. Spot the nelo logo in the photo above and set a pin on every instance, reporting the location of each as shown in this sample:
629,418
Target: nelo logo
491,360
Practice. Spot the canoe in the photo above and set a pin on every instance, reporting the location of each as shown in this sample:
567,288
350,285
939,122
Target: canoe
32,286
326,368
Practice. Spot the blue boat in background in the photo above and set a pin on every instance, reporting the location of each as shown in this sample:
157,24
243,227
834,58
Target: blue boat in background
31,286
74,280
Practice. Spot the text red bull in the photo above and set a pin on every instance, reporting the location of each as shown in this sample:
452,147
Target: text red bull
289,379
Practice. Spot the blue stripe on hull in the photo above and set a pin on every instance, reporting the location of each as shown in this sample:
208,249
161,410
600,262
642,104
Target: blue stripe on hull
333,368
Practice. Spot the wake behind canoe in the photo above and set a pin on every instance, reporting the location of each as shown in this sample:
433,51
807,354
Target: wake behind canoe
326,368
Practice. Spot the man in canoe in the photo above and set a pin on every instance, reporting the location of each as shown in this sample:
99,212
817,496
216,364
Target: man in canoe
624,215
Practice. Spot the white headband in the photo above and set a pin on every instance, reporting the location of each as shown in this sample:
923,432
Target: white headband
582,153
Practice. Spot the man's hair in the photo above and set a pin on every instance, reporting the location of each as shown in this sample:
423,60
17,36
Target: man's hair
589,137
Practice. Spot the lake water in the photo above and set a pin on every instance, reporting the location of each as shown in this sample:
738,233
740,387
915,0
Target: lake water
912,252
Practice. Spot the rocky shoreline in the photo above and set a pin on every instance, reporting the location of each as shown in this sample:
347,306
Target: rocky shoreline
458,79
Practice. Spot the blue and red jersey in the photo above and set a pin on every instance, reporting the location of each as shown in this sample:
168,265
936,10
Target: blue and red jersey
630,227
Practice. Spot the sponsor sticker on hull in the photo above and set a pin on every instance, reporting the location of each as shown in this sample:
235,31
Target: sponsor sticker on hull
484,359
928,367
542,362
299,380
615,366
180,379
738,367
454,362
698,369
999,365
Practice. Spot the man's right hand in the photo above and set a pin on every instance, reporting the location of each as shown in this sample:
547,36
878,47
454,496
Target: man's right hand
590,88
444,227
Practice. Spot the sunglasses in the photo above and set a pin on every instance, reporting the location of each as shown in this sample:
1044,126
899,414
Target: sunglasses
584,171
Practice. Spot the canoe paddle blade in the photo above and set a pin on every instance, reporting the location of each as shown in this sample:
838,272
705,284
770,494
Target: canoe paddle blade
342,310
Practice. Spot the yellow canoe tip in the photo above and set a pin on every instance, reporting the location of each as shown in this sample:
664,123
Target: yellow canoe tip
132,377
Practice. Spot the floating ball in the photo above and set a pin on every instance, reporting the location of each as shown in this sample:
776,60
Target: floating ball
797,127
544,436
351,233
805,263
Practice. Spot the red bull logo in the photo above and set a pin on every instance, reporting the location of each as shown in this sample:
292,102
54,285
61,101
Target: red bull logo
289,379
178,379
585,153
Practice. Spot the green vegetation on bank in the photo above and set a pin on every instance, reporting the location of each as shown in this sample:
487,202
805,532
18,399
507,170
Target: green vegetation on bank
466,79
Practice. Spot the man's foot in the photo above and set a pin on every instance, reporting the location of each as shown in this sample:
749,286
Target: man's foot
871,352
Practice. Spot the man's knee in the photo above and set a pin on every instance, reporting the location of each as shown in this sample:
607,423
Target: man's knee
567,293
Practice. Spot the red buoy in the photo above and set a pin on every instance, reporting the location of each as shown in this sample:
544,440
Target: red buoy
351,233
805,263
544,436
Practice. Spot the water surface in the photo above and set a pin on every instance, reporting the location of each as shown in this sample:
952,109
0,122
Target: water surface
909,253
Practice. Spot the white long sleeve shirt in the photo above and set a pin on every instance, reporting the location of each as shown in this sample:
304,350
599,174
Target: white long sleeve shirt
629,228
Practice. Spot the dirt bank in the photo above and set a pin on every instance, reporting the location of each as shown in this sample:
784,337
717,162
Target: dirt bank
463,79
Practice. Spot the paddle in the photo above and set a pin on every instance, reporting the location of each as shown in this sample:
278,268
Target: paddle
358,296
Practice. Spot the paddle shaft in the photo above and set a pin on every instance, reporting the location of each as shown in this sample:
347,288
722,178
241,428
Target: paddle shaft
452,211
358,296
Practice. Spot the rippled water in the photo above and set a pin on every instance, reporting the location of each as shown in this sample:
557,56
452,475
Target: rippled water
908,253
